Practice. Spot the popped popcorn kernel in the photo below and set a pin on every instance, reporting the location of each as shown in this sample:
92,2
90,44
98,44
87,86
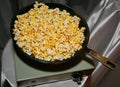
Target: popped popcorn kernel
48,34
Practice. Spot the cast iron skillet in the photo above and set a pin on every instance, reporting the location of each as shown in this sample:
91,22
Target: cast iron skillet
82,23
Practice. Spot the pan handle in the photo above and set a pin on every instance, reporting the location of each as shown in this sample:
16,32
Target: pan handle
105,61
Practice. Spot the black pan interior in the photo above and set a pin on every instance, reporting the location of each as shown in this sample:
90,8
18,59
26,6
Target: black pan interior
51,6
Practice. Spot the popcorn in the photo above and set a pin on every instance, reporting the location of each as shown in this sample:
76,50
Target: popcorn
48,34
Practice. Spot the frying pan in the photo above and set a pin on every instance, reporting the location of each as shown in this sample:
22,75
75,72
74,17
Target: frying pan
106,62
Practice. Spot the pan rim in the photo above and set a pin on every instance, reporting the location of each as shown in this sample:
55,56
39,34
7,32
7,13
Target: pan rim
27,8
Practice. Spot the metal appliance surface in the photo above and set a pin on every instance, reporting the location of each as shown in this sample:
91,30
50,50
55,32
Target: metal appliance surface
27,75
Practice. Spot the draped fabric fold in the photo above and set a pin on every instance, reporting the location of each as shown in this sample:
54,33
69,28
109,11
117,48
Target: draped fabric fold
104,25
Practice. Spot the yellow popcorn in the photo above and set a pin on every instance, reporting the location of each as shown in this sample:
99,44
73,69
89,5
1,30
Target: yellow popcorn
48,34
